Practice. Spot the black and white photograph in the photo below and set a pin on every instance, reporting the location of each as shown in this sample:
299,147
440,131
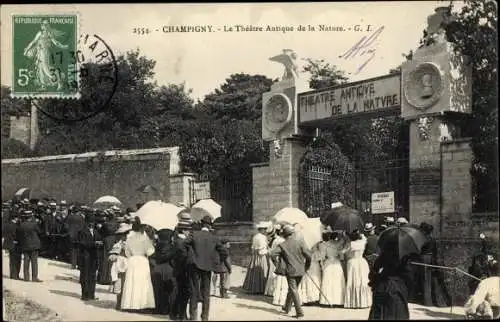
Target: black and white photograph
250,161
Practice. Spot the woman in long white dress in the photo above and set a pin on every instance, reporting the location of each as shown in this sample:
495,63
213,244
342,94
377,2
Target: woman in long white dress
138,288
309,287
280,283
333,285
358,294
258,269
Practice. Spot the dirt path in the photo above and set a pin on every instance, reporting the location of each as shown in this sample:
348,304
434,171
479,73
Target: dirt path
60,292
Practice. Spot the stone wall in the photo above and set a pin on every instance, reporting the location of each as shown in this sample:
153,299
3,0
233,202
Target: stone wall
85,177
425,174
460,229
456,193
276,185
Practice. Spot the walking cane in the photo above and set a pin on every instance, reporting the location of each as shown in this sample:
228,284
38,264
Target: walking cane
319,288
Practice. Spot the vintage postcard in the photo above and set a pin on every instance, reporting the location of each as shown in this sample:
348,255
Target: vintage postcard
250,161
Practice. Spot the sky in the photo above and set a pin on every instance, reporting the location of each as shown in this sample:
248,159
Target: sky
204,60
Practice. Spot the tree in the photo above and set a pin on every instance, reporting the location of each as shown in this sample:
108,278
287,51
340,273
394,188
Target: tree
474,31
239,98
13,107
322,74
12,148
224,135
118,125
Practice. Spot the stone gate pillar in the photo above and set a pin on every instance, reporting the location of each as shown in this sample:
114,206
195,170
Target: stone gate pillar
436,86
275,185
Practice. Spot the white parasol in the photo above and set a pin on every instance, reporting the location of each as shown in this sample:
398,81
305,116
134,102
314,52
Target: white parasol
290,215
107,202
159,215
22,193
311,231
205,207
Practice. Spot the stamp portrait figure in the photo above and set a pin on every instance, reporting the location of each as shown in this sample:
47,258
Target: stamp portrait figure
39,50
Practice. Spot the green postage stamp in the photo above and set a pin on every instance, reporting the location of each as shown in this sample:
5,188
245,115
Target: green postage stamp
44,56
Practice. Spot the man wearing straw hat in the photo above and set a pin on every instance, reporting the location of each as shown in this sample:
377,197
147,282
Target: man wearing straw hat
297,259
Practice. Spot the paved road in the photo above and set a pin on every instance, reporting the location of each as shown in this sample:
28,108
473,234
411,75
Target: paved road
60,292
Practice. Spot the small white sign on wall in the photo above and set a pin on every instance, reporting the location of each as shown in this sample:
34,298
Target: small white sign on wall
201,190
383,202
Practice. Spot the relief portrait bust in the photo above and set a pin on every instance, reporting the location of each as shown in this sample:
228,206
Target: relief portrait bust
277,112
423,86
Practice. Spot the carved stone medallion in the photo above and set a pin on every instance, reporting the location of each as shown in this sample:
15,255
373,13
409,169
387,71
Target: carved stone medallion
423,86
278,112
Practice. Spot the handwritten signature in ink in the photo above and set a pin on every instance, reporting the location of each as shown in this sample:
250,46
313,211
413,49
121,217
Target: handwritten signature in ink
363,48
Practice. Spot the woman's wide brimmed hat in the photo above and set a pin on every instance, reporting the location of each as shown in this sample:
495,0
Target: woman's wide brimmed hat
402,220
123,228
369,227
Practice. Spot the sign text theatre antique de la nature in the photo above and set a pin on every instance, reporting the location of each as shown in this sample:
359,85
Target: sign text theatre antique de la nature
380,96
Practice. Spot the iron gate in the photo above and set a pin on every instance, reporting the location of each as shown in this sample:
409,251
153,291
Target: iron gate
232,192
319,187
382,176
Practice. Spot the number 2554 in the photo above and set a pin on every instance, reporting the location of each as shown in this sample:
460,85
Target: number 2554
141,31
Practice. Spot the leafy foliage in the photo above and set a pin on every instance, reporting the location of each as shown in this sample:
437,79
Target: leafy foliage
322,74
474,31
12,107
12,148
225,137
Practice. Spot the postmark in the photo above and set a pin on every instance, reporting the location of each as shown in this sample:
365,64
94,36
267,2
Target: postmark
42,49
97,79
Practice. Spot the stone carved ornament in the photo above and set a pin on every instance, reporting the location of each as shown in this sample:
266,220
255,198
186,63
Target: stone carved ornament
289,59
277,149
424,127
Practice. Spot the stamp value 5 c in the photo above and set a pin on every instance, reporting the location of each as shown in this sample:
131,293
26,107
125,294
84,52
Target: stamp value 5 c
45,57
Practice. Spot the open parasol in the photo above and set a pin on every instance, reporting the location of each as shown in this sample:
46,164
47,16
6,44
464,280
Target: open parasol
22,193
159,215
107,202
311,231
343,218
401,241
205,207
290,215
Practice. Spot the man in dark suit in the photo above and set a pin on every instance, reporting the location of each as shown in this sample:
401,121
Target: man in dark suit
28,232
74,223
180,259
11,244
206,251
297,257
88,241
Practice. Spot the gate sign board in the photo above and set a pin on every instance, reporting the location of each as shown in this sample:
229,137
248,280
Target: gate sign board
383,202
201,190
375,97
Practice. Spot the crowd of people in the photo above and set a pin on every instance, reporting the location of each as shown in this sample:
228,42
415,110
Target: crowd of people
161,271
171,271
347,269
